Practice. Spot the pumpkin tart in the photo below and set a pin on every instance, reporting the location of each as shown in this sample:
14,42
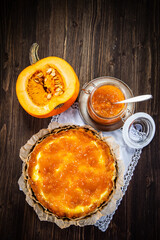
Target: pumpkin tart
72,172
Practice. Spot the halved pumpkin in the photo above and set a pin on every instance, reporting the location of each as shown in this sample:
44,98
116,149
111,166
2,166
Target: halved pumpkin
48,87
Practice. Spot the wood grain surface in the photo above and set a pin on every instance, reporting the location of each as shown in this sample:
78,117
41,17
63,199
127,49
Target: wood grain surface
115,38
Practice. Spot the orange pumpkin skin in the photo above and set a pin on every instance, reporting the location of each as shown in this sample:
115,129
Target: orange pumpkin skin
56,105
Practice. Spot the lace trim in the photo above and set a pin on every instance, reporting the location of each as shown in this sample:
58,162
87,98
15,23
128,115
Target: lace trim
75,106
55,118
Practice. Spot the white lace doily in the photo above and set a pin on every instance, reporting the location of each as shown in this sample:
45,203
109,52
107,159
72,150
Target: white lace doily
128,155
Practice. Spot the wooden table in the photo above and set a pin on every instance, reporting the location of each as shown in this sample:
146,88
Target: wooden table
98,38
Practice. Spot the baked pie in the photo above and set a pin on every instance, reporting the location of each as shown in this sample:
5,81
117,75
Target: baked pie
71,172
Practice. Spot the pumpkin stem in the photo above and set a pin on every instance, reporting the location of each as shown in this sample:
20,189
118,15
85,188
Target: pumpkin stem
33,53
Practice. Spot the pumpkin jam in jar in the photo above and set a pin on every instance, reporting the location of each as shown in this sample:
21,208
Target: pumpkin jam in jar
101,107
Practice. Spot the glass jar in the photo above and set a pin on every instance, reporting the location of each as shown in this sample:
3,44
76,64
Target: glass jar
100,118
88,113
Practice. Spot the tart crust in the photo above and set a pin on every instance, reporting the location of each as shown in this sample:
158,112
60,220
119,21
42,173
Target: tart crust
85,174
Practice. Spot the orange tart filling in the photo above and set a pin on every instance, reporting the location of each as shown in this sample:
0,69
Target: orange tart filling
72,172
103,99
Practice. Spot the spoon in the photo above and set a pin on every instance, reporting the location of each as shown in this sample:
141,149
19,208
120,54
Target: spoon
136,99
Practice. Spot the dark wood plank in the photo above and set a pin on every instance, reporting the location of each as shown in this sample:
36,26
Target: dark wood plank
115,38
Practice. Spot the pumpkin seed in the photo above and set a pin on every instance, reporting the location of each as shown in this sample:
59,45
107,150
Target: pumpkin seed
53,73
49,96
60,93
49,70
57,94
36,80
40,75
58,86
58,89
